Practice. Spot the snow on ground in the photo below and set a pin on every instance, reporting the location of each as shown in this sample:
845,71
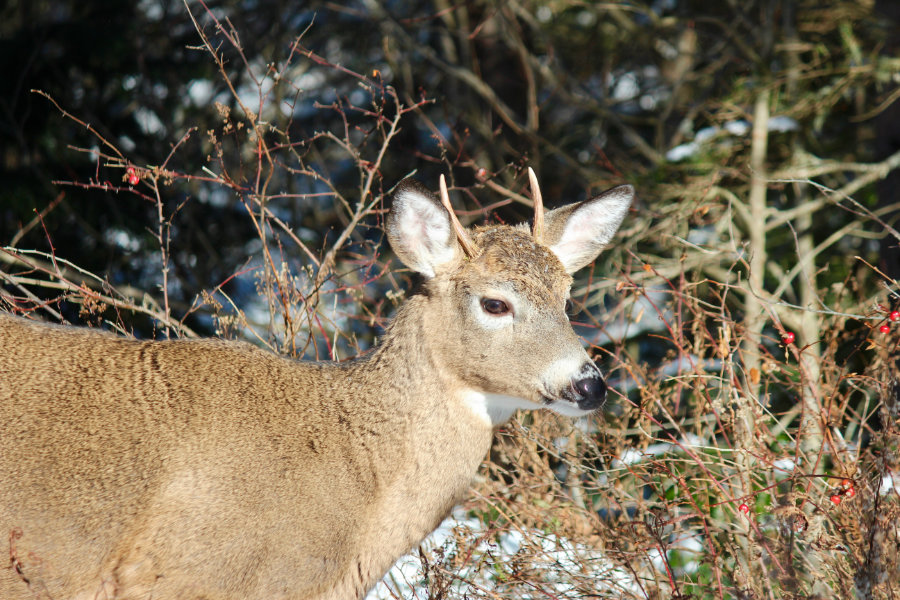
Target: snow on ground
556,559
890,484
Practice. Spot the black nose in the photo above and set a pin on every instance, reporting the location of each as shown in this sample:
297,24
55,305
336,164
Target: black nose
591,392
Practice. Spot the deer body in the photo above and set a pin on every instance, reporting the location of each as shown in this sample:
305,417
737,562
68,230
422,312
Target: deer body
215,470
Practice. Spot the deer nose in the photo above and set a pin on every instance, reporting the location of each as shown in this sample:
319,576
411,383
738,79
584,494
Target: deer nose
591,392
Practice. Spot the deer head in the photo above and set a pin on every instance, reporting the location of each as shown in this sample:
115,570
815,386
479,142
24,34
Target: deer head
497,296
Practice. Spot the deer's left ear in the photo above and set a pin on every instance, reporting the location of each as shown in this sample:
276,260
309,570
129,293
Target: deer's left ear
577,233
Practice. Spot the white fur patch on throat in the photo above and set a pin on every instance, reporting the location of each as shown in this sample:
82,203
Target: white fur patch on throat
493,409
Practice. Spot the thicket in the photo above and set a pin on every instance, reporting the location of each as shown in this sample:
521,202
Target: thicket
223,168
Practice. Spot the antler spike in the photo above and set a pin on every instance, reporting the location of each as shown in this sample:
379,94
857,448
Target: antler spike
464,240
538,230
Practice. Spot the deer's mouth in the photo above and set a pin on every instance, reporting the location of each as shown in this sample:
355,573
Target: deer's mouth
574,402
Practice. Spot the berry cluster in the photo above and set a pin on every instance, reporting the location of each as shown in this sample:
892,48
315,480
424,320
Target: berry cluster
846,489
132,175
893,316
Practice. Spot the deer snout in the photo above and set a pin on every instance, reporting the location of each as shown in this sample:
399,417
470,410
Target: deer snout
580,388
590,391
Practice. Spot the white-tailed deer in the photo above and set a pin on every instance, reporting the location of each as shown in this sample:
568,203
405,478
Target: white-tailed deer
188,470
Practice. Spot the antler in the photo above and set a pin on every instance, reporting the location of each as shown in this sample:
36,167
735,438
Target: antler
464,240
538,230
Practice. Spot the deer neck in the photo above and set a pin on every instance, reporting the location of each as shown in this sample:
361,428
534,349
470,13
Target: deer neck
407,362
436,444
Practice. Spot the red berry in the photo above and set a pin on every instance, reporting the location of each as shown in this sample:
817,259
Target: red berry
132,175
850,492
846,483
895,315
744,508
788,337
836,499
885,328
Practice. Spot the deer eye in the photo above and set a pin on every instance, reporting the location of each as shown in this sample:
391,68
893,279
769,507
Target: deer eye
496,307
570,308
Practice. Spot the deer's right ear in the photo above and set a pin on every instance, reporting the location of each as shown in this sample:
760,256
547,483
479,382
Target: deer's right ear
420,230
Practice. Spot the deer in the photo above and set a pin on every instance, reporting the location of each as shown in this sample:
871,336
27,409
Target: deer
207,469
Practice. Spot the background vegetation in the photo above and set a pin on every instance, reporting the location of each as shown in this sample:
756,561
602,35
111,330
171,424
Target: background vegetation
223,168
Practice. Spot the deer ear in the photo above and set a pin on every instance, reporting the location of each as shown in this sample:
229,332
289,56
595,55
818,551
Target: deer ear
420,230
578,232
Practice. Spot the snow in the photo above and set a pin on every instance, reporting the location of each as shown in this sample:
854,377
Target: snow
785,465
631,456
561,562
682,152
737,128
